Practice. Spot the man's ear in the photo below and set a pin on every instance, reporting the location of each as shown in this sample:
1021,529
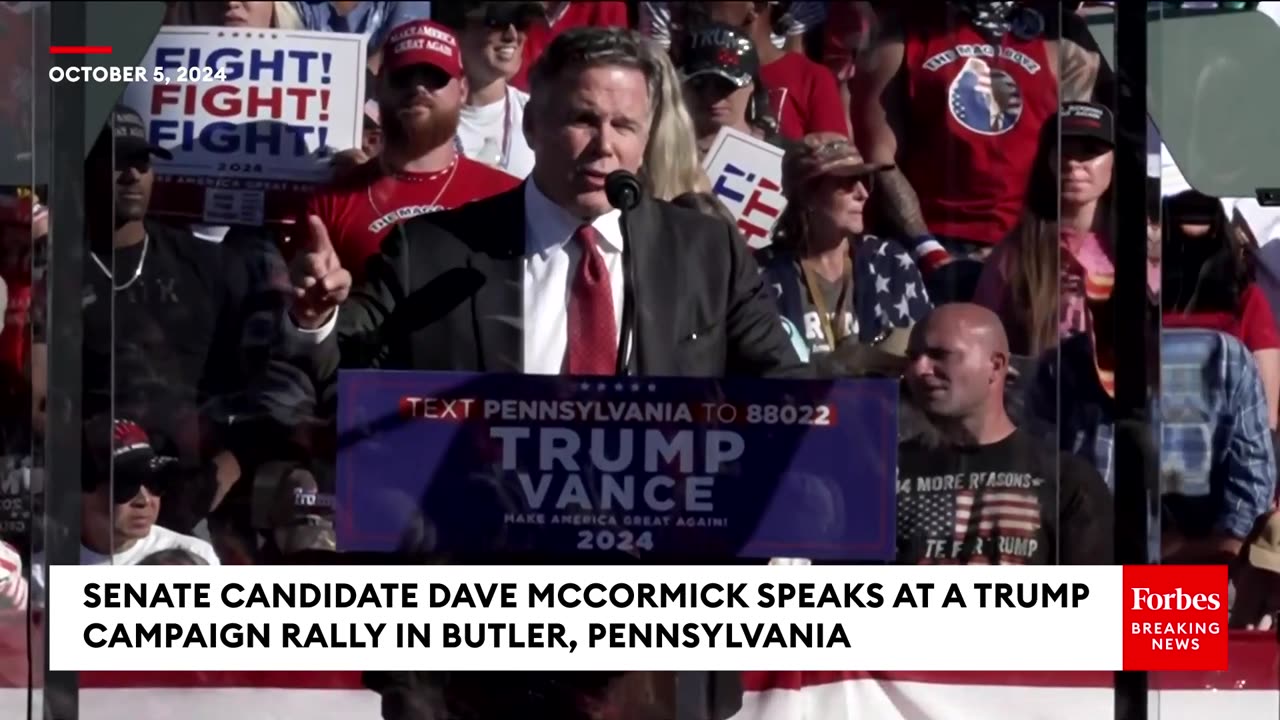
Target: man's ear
999,367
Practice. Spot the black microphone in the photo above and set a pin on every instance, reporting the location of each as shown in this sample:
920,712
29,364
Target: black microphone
623,189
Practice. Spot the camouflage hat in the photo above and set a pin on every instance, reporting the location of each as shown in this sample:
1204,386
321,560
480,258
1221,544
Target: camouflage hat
823,154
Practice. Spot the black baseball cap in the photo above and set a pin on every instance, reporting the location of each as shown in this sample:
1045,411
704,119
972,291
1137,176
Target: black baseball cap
1089,121
291,502
131,134
119,449
719,49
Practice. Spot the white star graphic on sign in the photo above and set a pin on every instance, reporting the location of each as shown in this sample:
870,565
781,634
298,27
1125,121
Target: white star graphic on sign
880,250
882,284
905,260
910,291
903,307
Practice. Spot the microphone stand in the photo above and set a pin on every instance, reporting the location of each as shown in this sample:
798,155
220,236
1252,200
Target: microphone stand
626,333
624,192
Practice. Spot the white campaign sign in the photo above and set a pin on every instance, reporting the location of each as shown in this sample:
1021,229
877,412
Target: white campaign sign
248,112
746,175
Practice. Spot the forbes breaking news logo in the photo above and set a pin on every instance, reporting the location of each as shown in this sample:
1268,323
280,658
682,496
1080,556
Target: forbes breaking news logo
1175,617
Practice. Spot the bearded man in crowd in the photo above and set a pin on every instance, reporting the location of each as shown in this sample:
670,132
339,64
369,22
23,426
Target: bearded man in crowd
420,88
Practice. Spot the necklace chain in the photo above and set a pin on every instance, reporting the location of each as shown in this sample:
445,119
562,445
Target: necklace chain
377,212
137,273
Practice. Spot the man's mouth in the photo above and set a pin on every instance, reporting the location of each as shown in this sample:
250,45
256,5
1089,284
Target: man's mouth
592,178
506,53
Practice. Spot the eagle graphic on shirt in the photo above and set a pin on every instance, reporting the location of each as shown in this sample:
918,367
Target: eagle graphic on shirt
985,100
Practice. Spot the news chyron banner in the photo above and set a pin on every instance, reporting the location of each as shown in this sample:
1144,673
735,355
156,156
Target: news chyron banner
616,468
639,617
252,118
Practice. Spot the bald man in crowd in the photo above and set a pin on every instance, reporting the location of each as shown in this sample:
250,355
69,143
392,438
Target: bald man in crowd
988,492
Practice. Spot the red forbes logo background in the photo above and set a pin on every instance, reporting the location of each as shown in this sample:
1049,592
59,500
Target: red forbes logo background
1175,617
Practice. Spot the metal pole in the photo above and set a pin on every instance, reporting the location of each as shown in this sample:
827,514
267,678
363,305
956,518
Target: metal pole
1136,464
64,332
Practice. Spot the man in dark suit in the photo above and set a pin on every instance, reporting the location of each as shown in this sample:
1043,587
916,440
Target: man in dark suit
533,280
501,285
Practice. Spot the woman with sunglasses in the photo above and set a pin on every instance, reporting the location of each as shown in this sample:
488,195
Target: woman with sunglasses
722,85
490,127
834,281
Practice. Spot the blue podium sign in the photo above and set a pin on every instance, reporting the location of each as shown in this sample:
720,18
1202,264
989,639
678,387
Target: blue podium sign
671,467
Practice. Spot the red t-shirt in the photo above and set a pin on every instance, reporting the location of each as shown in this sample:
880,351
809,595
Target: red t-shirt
573,14
1254,326
973,121
360,211
804,96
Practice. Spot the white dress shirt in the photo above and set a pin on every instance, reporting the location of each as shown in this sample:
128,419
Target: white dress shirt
550,259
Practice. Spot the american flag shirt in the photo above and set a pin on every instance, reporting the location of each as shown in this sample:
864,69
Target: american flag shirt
888,292
998,504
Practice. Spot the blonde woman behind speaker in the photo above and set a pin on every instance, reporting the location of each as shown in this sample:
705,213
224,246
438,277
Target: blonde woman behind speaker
671,165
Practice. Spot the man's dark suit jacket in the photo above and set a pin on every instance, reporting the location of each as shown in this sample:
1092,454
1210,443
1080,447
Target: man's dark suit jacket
446,293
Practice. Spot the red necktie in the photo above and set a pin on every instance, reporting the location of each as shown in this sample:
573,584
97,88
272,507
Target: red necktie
593,331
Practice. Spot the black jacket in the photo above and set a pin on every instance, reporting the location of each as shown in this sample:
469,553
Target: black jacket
443,293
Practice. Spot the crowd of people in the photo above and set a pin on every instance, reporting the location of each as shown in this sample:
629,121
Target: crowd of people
948,173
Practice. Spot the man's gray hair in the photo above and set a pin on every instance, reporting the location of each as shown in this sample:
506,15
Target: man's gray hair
588,47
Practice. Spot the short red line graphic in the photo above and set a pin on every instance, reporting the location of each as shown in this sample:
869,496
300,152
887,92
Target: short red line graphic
80,50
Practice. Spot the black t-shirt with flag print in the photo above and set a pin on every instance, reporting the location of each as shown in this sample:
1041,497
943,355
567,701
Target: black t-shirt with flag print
1013,502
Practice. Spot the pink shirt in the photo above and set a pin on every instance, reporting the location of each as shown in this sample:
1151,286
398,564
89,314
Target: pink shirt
1087,275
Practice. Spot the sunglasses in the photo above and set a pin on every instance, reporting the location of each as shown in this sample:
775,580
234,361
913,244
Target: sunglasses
411,76
519,21
124,492
500,16
1083,148
712,84
140,161
849,182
